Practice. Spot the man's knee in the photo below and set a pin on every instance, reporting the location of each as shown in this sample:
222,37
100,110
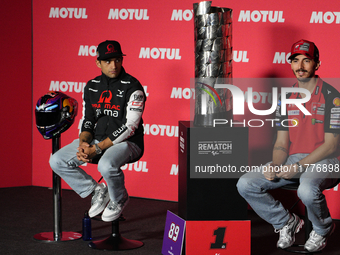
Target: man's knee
242,185
57,163
54,162
307,193
107,168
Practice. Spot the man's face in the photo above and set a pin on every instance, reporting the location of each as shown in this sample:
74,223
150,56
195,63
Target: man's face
111,67
303,67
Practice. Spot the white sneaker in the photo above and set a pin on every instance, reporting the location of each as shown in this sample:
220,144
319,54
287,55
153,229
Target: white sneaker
287,233
100,197
114,209
316,242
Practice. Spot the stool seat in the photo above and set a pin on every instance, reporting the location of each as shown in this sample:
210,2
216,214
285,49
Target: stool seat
115,242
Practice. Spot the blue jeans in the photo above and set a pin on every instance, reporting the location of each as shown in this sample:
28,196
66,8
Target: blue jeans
253,188
65,163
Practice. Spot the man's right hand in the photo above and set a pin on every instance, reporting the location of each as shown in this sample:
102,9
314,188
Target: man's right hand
269,171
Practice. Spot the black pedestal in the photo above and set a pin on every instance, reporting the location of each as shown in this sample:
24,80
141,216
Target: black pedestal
210,160
57,235
115,242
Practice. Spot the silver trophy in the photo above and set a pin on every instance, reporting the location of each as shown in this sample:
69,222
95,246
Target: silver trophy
213,63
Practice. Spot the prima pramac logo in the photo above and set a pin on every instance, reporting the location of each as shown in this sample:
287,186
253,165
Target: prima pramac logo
105,97
110,49
209,93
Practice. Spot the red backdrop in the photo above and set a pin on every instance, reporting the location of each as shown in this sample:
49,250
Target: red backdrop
66,33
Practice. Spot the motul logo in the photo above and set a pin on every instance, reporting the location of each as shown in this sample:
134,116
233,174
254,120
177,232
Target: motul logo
137,14
159,53
77,13
182,15
139,166
186,93
261,16
240,56
174,169
327,17
67,86
281,58
161,130
86,50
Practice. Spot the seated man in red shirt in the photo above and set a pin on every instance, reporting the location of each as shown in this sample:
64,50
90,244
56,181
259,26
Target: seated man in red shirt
305,151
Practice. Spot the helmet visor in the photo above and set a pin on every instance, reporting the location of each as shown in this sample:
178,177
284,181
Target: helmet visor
45,119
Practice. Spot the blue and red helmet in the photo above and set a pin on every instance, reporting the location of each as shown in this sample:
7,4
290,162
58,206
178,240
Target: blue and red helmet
55,113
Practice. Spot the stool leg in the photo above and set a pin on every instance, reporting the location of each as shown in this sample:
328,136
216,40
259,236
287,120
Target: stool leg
115,242
115,235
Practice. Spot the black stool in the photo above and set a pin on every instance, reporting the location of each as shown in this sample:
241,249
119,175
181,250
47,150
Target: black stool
115,242
299,248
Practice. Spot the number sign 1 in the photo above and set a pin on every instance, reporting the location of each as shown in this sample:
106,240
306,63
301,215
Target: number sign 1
218,237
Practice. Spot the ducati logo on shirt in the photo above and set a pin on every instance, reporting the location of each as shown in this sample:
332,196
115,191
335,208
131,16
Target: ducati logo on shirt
318,108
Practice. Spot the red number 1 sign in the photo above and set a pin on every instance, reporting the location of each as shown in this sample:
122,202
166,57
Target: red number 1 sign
218,237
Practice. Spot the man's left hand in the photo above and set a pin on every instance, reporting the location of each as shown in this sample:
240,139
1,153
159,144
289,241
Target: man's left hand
288,171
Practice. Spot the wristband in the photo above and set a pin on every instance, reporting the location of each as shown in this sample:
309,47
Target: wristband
98,150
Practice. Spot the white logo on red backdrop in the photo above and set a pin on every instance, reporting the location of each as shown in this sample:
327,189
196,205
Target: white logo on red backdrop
327,17
77,13
123,14
261,16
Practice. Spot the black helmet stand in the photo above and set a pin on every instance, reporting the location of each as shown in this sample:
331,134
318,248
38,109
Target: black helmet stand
57,235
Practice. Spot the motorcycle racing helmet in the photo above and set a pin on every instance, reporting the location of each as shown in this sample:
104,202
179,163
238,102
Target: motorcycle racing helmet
55,113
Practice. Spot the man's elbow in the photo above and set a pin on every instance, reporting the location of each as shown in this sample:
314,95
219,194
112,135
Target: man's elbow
334,148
